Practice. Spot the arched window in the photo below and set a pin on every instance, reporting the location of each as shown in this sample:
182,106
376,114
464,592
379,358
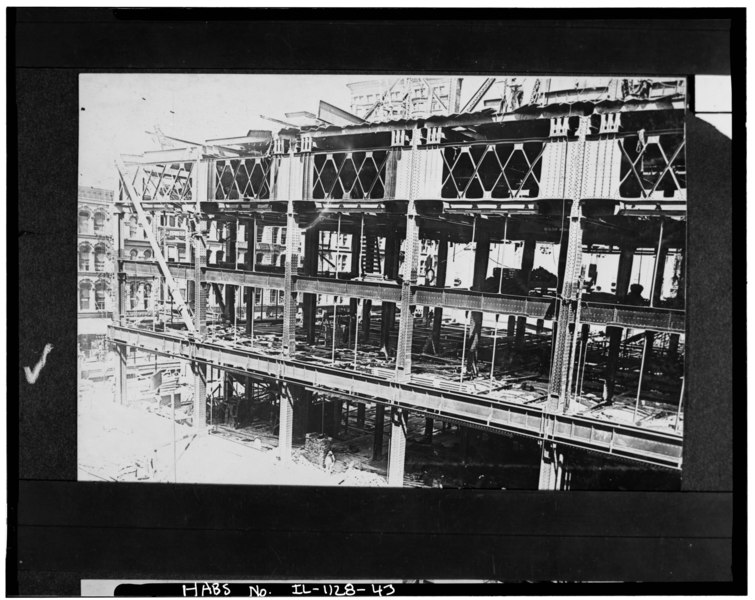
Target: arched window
132,293
100,295
99,222
84,221
171,221
84,253
147,254
147,295
99,258
132,226
85,288
133,254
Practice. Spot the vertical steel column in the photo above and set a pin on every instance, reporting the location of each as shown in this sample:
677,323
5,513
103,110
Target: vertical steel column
230,257
429,429
200,396
286,422
397,448
406,324
377,446
528,260
501,251
335,298
440,282
551,468
388,309
679,409
249,231
290,295
511,326
481,258
286,404
584,340
658,268
558,391
292,266
201,293
356,256
121,374
311,255
119,311
639,383
623,276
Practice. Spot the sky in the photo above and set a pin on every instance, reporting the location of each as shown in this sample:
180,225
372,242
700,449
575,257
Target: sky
116,110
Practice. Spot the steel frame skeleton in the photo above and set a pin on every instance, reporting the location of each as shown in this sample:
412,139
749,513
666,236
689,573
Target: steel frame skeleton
347,181
492,414
156,250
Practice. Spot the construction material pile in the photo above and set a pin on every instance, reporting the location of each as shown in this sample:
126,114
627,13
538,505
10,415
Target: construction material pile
316,448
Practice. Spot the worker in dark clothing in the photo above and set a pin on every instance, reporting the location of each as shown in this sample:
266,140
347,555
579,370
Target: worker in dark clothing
634,297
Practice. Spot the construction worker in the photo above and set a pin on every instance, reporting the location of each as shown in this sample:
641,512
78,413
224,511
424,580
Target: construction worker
330,460
634,297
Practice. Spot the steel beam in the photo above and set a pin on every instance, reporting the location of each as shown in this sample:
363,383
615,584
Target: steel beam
493,414
656,319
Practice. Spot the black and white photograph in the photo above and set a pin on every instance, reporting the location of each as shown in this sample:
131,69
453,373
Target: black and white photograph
457,281
322,301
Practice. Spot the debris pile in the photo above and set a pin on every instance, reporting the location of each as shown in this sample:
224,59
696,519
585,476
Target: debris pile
316,448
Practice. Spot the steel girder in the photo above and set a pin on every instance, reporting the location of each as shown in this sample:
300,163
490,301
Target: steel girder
649,446
633,317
